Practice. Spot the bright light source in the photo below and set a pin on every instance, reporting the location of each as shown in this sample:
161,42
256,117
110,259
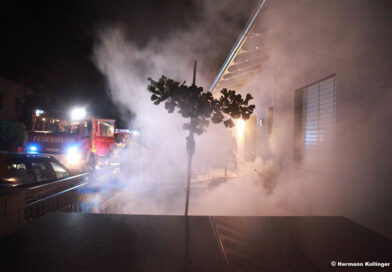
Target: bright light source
240,128
122,130
32,148
78,114
72,150
39,112
135,132
11,179
73,155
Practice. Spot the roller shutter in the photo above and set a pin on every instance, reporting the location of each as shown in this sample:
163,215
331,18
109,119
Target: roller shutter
315,118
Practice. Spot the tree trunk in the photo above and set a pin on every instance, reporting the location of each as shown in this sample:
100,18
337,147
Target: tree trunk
190,147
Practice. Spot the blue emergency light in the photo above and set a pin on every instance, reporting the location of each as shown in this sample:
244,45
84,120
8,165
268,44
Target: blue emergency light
32,148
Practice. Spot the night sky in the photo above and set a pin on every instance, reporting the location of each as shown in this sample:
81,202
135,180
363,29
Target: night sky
48,44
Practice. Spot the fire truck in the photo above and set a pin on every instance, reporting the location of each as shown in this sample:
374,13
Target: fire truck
80,142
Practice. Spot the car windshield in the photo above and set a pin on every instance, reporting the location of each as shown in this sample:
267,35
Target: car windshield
54,125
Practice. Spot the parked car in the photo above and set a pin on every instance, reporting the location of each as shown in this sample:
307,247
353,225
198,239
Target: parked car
25,170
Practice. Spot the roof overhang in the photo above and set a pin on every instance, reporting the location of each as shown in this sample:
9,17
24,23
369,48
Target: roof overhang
245,59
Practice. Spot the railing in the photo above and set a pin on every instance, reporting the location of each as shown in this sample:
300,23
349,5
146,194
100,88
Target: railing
68,200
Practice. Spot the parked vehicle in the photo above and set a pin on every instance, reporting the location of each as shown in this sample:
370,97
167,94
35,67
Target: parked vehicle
80,143
122,138
25,170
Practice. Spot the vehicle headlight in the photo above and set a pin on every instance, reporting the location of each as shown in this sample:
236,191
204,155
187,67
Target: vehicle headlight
73,155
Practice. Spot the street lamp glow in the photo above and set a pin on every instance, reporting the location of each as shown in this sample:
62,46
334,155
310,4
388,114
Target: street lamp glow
78,113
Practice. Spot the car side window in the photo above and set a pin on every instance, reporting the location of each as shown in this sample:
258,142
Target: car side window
59,170
15,172
42,171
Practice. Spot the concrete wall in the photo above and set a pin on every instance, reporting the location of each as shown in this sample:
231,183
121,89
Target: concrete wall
12,213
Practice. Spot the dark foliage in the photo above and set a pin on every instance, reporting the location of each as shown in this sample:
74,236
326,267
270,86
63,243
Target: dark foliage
199,105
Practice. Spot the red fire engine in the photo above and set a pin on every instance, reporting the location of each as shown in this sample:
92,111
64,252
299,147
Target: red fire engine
80,142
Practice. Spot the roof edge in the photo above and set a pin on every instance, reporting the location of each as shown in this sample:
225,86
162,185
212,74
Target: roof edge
238,44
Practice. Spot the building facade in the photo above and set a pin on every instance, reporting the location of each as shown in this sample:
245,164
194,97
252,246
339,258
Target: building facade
12,96
319,72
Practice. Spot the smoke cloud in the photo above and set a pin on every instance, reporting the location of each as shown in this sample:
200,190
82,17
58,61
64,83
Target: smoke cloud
293,34
127,65
305,42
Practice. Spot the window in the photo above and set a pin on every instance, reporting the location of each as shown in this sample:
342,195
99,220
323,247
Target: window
59,170
314,128
15,173
17,166
86,128
42,171
105,128
52,124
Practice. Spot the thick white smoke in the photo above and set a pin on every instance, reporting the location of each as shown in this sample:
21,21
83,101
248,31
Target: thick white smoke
261,187
127,68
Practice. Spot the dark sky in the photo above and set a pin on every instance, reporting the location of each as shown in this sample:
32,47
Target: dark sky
49,43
